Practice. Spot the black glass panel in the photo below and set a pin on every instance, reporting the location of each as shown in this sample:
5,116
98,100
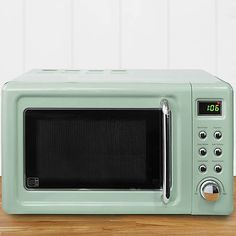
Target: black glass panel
99,148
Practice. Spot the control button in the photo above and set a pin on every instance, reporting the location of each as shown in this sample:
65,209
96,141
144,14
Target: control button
218,151
202,151
210,191
202,168
202,134
218,168
218,135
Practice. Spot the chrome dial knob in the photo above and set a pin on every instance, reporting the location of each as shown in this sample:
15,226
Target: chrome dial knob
210,191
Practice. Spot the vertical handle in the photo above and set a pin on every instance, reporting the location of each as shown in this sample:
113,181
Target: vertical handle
166,117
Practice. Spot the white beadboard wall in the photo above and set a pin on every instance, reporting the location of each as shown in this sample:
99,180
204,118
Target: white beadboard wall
118,34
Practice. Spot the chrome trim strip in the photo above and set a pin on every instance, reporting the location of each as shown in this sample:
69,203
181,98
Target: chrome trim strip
166,115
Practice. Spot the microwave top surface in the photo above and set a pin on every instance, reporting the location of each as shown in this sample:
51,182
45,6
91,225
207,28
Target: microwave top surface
119,76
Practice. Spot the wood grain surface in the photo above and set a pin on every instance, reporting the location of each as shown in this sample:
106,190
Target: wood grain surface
116,224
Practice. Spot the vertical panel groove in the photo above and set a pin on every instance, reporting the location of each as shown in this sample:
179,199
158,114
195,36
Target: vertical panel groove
72,33
23,35
216,36
120,33
168,34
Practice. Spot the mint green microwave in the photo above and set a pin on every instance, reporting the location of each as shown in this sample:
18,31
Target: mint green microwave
117,142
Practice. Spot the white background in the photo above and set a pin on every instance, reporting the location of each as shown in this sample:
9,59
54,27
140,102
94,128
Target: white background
104,34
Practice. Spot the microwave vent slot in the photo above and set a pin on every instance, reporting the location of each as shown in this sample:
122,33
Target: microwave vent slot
71,70
49,70
119,71
95,71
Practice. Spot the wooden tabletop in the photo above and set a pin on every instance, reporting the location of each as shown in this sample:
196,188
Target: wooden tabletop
116,224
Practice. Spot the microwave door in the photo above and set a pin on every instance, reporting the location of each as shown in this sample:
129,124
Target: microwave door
79,149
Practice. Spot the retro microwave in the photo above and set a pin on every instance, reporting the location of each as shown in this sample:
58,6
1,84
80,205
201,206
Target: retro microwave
117,142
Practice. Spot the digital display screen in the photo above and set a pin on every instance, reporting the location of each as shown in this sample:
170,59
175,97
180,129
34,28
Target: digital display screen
212,108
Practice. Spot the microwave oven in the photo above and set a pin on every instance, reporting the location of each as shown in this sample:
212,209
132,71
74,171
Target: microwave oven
117,142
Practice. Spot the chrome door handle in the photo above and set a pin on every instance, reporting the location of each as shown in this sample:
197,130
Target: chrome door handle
166,146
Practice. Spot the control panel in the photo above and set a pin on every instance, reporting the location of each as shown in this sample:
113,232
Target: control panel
212,152
210,148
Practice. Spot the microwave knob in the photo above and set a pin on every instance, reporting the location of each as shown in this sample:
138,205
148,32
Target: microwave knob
210,191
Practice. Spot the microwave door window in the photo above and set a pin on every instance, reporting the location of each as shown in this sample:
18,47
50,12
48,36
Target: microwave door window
93,149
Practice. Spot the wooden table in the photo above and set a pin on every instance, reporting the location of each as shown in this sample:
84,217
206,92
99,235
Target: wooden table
116,224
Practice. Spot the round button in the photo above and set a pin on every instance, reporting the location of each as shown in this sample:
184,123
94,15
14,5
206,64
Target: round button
210,191
202,134
218,151
218,168
202,168
218,135
202,151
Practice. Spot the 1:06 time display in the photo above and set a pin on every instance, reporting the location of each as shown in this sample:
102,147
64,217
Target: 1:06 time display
213,107
209,108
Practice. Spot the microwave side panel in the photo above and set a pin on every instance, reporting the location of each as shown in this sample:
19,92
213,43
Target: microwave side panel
213,132
10,201
18,96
